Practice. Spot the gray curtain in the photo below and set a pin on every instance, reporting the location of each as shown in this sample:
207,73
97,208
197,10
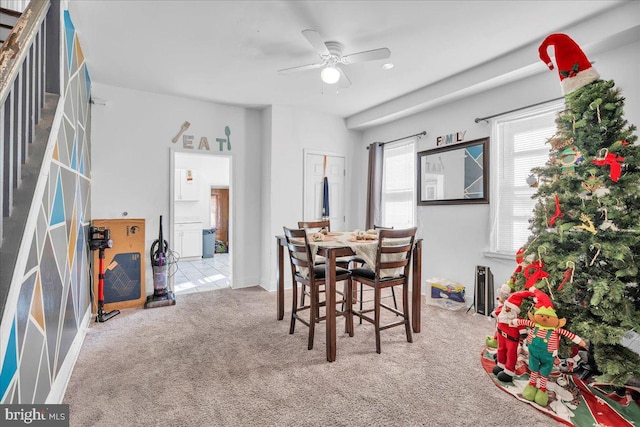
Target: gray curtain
374,186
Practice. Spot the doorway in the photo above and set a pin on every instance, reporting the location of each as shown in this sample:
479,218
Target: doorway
317,165
220,218
195,222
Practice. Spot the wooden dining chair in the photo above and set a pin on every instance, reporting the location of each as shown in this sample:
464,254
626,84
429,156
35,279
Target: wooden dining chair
354,264
393,263
315,227
312,277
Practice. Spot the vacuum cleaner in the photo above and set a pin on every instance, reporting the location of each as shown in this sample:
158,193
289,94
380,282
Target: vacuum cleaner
100,240
158,253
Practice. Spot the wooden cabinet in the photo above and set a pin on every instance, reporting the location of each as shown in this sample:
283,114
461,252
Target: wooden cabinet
188,239
186,186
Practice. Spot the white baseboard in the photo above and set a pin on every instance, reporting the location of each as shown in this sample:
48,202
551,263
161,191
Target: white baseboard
59,386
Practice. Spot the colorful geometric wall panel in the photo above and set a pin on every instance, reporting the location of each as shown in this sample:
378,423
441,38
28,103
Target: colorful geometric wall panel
57,213
69,329
70,32
44,381
24,306
52,297
32,262
37,309
10,362
53,286
34,341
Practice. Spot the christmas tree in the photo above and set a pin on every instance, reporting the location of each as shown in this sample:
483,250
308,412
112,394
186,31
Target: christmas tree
584,250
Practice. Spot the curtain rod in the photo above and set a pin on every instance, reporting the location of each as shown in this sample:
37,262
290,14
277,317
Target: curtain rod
423,133
486,119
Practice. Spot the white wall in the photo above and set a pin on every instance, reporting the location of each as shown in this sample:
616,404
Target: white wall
292,131
132,173
267,241
456,236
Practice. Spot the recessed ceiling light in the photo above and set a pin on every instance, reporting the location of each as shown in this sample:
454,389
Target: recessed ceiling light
387,66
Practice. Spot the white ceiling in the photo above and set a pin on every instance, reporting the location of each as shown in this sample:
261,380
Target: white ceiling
229,51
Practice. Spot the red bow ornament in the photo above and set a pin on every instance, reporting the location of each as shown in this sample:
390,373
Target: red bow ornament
558,213
567,275
534,272
614,162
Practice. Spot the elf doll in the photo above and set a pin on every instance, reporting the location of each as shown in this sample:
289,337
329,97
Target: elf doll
503,293
509,336
543,341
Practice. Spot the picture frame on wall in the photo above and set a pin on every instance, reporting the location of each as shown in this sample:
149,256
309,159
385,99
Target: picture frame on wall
454,174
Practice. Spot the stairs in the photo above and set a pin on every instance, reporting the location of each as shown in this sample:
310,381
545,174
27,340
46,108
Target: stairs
26,118
8,19
14,225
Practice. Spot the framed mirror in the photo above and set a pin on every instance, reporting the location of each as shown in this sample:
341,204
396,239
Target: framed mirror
454,174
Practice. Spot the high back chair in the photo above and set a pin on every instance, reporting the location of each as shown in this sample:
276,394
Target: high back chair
393,263
357,260
315,227
312,277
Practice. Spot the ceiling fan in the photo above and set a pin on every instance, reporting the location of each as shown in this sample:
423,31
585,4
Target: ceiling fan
331,56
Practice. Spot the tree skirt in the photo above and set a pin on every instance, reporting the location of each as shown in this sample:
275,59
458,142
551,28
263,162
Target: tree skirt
573,401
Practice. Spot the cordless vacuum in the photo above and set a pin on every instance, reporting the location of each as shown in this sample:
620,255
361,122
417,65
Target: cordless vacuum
101,240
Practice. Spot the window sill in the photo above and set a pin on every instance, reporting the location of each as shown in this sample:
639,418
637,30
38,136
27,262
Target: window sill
499,255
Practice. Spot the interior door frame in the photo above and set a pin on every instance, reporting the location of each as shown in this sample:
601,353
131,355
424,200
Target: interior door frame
172,183
305,153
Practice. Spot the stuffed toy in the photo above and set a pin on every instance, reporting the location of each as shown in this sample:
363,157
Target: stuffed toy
509,336
503,293
543,342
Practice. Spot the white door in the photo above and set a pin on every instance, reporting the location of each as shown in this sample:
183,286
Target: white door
314,172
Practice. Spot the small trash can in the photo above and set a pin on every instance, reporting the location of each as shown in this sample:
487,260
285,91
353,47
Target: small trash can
208,242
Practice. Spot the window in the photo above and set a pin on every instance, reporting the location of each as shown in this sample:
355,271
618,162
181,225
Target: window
520,146
398,185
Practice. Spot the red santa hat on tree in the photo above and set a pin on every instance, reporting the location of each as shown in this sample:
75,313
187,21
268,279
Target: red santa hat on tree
515,300
543,304
574,68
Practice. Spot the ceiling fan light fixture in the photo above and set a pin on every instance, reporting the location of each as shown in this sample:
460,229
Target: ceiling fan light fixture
387,66
330,75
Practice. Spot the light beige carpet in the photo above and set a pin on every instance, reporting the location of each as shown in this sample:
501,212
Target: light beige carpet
221,358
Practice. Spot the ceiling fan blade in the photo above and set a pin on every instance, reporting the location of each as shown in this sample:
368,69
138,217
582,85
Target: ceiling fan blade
314,39
368,55
300,68
344,81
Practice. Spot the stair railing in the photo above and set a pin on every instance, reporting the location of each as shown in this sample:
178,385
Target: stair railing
22,87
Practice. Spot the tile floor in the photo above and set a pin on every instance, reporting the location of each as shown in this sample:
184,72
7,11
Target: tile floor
205,274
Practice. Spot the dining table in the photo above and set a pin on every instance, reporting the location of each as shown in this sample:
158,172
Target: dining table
345,244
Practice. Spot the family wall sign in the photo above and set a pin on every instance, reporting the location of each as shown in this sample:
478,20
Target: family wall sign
188,141
452,138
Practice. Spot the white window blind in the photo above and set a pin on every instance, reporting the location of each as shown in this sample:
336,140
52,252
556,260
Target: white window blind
398,185
520,146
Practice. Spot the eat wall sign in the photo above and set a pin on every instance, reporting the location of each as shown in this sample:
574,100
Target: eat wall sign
188,141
